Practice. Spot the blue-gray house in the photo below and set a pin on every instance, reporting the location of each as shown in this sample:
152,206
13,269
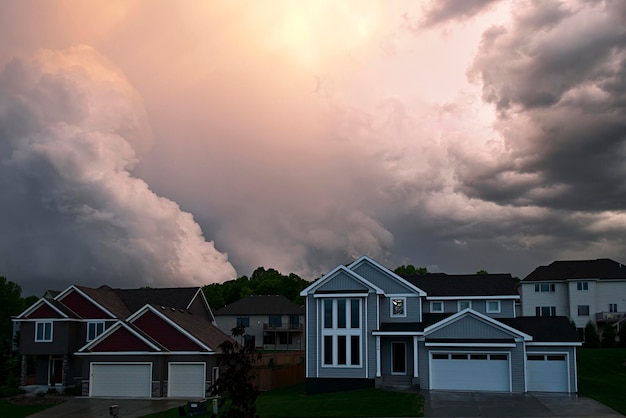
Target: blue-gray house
368,327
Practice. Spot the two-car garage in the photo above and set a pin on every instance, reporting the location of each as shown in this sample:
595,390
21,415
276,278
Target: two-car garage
134,379
470,371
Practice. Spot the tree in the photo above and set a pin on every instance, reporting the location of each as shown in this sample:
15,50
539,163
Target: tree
410,269
592,340
608,335
482,272
11,304
236,380
622,334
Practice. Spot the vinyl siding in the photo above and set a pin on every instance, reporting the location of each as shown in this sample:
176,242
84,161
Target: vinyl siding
381,279
341,282
413,307
469,327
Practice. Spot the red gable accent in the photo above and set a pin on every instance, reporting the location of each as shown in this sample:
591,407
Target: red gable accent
44,311
83,306
121,340
164,333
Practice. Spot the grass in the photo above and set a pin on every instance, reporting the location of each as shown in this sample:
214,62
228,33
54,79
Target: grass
602,376
7,409
292,402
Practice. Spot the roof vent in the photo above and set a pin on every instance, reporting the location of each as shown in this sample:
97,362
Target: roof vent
181,311
173,309
162,307
188,311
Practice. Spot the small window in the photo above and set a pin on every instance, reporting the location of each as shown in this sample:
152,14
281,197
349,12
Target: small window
545,311
244,321
355,350
459,356
583,310
464,304
94,329
535,357
438,356
498,357
269,339
398,307
436,306
545,287
556,357
478,357
582,285
43,331
612,307
275,321
493,306
328,349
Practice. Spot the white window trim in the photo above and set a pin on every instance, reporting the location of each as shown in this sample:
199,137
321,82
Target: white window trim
458,305
497,310
44,340
347,332
403,314
95,323
432,308
580,286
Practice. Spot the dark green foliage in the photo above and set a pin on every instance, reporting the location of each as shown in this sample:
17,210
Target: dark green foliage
608,335
592,340
482,272
622,334
235,385
410,269
262,282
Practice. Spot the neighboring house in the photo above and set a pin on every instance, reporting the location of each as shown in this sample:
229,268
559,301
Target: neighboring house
366,327
122,342
582,290
272,322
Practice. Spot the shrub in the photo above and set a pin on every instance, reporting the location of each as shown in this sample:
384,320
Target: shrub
592,340
6,391
608,335
75,390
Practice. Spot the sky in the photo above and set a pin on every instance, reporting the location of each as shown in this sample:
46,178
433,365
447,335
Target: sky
165,143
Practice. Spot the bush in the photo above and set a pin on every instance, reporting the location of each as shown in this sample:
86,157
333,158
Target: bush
52,391
76,390
608,335
7,391
592,340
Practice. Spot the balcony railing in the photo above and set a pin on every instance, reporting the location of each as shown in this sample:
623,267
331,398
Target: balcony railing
610,316
285,326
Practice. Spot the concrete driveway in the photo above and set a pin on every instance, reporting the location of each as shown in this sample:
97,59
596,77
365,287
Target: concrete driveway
99,408
470,404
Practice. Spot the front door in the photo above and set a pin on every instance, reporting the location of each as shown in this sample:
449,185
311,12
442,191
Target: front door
55,372
398,358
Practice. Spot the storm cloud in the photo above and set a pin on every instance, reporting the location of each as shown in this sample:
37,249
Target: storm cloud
459,136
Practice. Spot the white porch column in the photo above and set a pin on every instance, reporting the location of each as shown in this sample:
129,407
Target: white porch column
415,357
378,374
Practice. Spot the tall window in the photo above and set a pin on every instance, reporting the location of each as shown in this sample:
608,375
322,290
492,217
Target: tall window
341,332
545,311
43,331
612,307
94,329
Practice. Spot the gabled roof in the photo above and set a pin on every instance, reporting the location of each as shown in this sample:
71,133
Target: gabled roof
601,268
334,272
465,285
387,272
51,305
176,297
469,312
544,328
262,305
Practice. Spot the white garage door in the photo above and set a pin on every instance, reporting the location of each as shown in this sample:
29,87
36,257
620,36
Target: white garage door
130,380
470,371
547,372
186,380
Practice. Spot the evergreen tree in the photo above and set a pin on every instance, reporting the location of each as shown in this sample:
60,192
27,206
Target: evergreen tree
592,340
608,335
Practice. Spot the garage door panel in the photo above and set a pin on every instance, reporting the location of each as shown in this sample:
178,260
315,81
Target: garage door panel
121,380
475,373
186,380
547,373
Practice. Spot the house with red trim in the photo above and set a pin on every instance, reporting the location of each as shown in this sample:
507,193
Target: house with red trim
139,343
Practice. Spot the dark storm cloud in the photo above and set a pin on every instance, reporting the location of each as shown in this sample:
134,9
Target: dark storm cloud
71,129
557,78
438,12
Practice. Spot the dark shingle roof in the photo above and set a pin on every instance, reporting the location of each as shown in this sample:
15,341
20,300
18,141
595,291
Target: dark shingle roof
544,328
465,284
602,268
176,297
262,305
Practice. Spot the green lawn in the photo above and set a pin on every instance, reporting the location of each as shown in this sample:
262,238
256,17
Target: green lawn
292,402
602,376
7,409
